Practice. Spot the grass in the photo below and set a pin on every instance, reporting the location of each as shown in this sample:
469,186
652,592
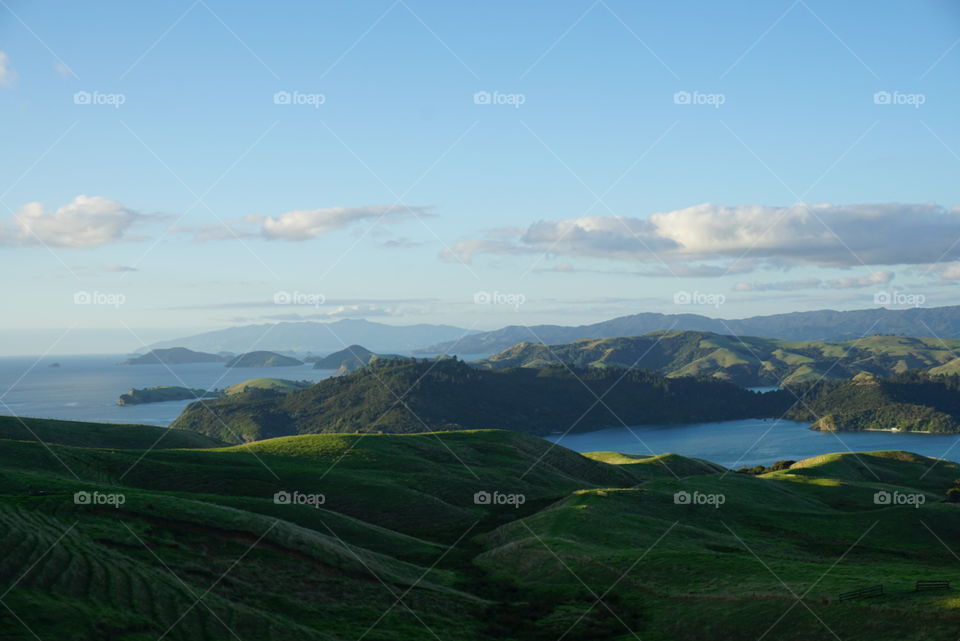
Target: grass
399,519
280,384
105,435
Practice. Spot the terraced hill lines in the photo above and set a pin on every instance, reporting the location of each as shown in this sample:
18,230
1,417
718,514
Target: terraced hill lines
680,554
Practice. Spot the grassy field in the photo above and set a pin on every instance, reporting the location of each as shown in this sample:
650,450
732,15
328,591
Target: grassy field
399,546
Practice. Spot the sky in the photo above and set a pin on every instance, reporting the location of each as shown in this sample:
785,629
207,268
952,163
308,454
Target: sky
176,167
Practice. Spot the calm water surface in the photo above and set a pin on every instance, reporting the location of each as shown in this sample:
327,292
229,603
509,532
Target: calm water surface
85,388
754,441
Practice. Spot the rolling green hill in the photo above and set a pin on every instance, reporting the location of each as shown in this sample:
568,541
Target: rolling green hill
409,395
207,544
273,384
744,360
105,435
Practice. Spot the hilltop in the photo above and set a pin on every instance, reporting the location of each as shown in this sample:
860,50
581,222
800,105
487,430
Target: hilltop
820,325
347,360
483,535
745,360
281,385
409,395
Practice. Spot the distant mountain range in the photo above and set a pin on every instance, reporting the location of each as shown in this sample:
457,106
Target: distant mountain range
821,325
744,360
322,338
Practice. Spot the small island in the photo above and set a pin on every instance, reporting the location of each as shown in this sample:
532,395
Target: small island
173,356
347,360
165,393
263,359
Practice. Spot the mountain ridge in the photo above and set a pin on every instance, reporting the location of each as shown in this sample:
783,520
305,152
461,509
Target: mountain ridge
311,336
822,325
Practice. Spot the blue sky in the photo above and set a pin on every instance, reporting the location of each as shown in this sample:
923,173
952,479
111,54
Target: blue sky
576,161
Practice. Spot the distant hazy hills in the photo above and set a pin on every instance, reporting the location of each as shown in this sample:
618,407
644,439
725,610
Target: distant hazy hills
302,337
174,356
822,325
743,360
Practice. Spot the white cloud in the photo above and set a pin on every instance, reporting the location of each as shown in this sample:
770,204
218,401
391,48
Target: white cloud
8,77
306,224
87,221
825,235
852,282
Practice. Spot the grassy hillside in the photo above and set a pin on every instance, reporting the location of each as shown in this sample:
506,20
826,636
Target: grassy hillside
273,384
404,396
198,549
671,571
106,435
744,360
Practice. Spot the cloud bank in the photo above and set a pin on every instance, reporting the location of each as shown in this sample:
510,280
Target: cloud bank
825,235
